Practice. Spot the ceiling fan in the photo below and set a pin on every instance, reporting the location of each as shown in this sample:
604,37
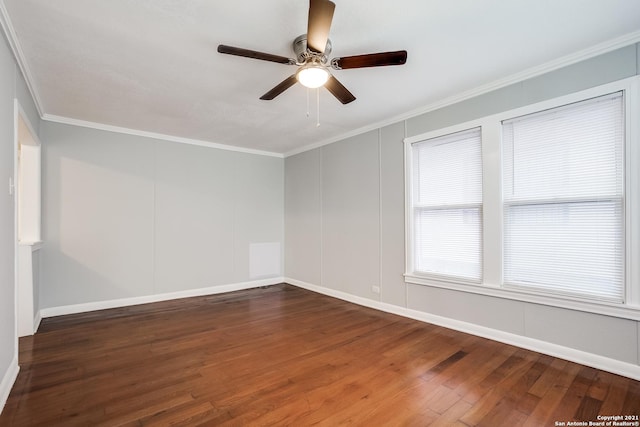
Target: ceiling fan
312,56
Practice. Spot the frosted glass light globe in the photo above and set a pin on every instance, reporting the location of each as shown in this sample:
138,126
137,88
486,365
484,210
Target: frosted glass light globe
312,76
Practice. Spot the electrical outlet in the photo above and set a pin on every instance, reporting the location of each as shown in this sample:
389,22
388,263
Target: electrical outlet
375,289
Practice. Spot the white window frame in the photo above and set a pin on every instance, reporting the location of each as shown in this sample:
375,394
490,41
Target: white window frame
492,218
442,276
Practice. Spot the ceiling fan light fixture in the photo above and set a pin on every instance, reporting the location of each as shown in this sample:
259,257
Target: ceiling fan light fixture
312,75
312,52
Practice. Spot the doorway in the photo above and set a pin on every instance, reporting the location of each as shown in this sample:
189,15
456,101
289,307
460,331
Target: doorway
27,221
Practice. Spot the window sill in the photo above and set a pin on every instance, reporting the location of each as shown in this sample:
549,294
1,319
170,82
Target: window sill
607,309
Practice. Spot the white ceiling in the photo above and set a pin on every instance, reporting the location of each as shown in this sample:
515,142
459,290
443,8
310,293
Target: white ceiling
152,65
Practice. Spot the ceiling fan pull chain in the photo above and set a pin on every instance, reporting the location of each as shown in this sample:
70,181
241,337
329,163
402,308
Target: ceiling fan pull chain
308,101
317,107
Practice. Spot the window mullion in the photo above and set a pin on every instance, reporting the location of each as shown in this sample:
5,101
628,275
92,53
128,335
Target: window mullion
492,203
632,193
563,201
544,216
447,207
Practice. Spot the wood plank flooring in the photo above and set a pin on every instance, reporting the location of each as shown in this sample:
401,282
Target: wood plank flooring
285,356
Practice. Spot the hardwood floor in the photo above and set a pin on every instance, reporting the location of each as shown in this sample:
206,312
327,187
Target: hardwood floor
286,356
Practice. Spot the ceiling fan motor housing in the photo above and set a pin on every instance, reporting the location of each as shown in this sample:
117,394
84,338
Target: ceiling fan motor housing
303,54
312,52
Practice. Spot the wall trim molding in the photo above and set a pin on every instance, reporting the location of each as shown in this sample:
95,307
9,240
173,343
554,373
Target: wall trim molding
565,61
578,356
126,302
7,382
36,322
18,54
117,129
590,52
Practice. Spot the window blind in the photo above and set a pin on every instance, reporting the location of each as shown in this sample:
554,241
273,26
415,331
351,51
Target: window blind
564,199
447,205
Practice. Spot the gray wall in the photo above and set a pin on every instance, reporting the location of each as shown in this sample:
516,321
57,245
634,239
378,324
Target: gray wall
12,86
344,219
128,216
7,248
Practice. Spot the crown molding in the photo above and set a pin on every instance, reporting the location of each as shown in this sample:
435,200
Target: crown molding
591,52
564,61
12,39
154,135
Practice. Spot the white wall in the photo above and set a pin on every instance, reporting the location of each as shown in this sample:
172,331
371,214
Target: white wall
127,216
350,210
12,86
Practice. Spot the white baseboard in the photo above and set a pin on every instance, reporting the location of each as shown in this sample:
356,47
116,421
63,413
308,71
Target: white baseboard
584,358
7,382
125,302
36,321
596,361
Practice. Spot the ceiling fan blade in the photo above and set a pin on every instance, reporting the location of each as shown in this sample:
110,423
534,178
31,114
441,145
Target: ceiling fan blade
339,91
281,87
237,51
319,24
398,57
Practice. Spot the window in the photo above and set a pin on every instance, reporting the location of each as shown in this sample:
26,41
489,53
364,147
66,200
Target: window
447,205
538,204
563,199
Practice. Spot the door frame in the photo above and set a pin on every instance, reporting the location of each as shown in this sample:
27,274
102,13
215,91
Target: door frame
27,319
